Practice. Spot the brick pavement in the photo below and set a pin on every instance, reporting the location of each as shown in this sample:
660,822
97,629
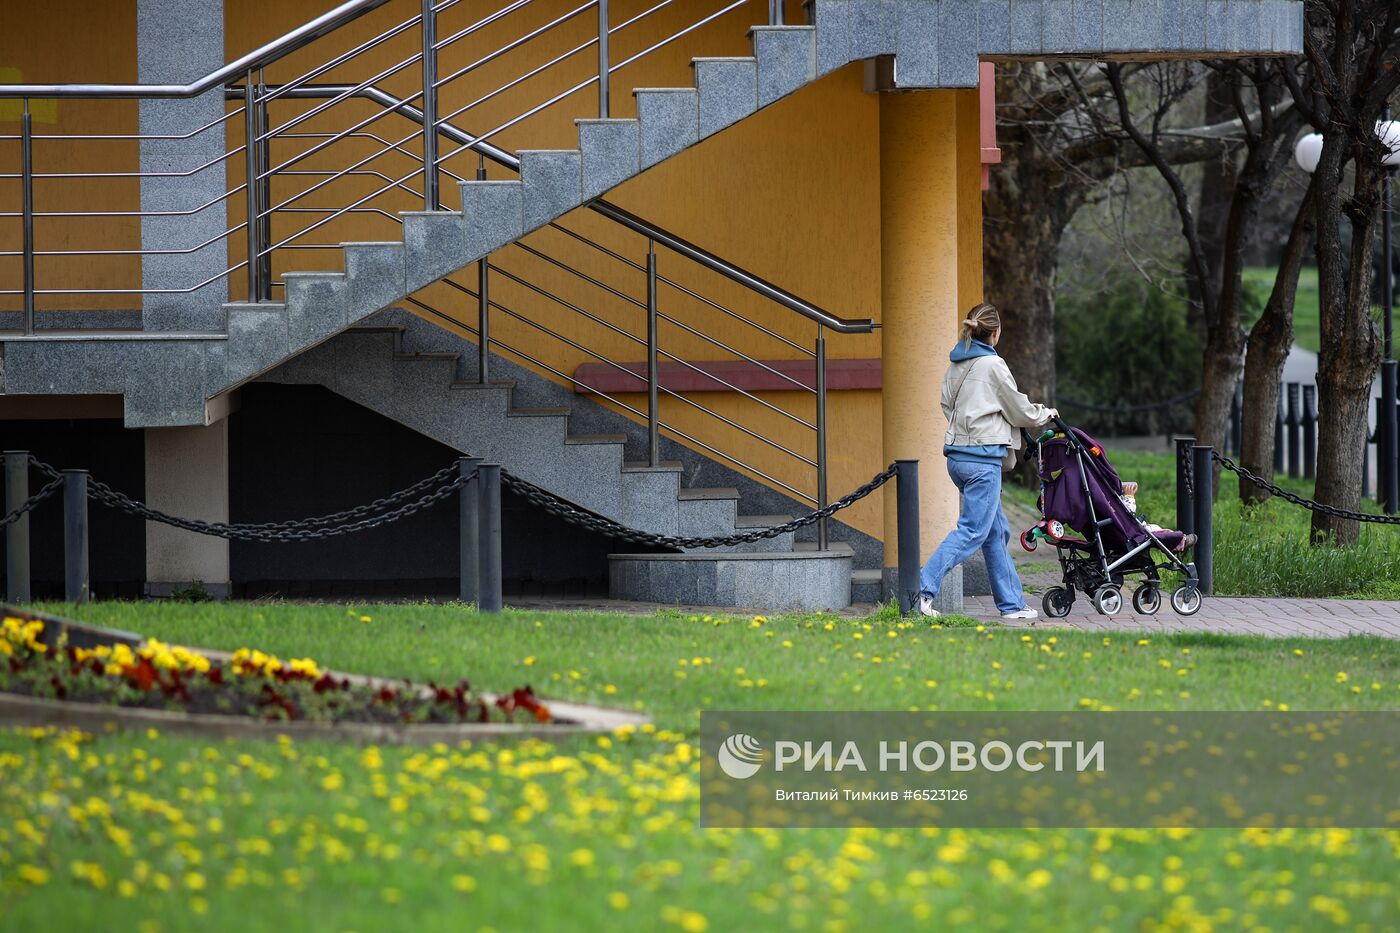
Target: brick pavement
1236,615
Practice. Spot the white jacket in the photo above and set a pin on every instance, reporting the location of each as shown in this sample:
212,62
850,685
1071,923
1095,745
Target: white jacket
983,406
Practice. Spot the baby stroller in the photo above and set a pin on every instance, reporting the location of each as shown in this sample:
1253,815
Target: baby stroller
1080,492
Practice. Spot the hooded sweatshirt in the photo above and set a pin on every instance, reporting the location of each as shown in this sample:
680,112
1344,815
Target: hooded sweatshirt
980,453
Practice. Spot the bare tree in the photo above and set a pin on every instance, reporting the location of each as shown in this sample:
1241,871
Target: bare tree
1061,148
1353,50
1270,339
1266,124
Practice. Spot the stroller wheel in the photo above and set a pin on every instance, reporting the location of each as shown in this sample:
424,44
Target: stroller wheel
1027,540
1108,600
1147,599
1057,601
1186,599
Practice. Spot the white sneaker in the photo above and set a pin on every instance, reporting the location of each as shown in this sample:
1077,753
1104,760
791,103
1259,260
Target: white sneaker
1026,613
926,607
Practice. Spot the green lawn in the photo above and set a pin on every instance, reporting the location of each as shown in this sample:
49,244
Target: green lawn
1264,551
151,832
1260,280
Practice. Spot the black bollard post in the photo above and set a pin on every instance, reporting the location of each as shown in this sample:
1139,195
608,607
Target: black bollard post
468,530
76,588
907,521
1237,419
1309,432
17,532
1202,467
1185,514
1278,433
489,522
1294,422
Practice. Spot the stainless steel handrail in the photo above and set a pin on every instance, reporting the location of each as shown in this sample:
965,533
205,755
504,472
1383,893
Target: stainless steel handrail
278,48
671,241
260,170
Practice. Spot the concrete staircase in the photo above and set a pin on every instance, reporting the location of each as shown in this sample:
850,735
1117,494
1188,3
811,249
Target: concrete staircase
423,378
184,379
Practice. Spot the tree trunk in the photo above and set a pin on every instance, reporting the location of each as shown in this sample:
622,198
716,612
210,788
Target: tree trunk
1021,245
1220,372
1269,342
1350,344
1025,210
1217,191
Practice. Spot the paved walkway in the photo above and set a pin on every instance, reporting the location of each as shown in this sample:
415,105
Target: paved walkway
1235,615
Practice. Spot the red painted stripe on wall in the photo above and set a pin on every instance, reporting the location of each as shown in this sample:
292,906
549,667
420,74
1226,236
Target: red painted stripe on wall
841,375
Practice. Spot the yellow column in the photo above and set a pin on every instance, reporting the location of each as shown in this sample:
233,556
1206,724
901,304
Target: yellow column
930,273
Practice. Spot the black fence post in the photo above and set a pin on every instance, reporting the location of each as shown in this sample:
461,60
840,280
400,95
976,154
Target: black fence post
1393,491
17,532
489,524
1388,448
1278,433
1185,514
1366,463
468,530
1309,432
1203,467
907,531
76,588
1293,422
1237,419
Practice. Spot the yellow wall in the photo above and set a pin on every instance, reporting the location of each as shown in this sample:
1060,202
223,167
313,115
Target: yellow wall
793,194
39,45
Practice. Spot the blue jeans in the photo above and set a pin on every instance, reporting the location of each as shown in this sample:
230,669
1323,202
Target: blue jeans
981,525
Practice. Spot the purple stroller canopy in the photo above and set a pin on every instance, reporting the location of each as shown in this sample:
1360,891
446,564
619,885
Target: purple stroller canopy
1063,481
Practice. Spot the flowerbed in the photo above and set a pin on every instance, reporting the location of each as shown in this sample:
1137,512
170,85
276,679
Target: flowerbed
156,675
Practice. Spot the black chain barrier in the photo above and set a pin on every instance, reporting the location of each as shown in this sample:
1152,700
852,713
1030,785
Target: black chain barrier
1129,409
572,514
1183,463
28,504
1311,505
392,508
429,490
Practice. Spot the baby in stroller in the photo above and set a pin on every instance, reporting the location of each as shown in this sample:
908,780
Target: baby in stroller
1081,492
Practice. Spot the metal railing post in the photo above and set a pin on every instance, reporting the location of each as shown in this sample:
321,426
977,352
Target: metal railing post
26,163
907,533
431,200
1292,422
1279,420
252,183
264,194
775,12
483,306
1185,508
604,62
653,411
76,588
821,437
1309,418
489,538
468,531
17,532
1202,467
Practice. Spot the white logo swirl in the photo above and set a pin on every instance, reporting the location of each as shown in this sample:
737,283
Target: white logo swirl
741,756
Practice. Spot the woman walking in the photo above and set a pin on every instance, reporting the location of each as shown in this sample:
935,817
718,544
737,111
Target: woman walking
983,408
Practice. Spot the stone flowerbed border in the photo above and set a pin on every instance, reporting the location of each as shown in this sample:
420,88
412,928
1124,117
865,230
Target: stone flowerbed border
568,718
